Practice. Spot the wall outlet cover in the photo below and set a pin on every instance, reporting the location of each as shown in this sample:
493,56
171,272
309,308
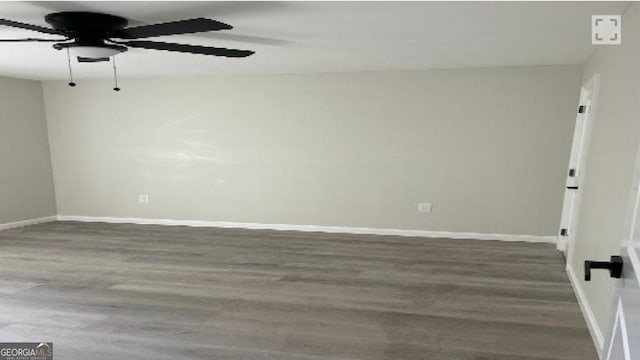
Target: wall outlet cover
143,198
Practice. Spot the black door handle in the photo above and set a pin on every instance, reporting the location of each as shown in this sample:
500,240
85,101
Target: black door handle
572,187
614,266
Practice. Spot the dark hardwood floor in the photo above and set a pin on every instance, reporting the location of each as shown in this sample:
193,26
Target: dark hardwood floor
117,291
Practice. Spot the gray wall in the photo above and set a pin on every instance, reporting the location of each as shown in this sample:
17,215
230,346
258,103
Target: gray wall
610,164
26,184
488,147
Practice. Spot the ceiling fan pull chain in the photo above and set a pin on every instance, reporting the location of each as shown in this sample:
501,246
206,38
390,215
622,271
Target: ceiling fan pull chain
115,74
71,83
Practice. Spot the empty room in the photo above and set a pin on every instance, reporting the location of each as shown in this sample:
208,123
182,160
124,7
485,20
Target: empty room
339,180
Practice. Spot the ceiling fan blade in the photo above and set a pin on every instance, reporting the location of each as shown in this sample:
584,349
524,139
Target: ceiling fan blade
20,25
33,40
170,28
193,49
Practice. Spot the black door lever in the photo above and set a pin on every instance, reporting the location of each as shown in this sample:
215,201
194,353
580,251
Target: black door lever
614,266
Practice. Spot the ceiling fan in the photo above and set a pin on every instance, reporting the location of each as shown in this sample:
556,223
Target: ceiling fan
96,37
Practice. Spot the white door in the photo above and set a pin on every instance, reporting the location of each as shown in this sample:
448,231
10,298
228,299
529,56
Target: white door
575,172
624,334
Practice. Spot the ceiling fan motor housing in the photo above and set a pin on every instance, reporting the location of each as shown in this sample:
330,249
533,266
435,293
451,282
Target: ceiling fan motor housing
85,23
88,31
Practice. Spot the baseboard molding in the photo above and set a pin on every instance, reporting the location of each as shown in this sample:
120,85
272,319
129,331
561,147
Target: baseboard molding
21,223
590,318
314,228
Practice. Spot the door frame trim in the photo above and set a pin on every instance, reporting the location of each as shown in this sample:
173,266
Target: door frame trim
622,323
593,84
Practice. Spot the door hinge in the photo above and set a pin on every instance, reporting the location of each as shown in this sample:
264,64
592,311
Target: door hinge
564,232
581,109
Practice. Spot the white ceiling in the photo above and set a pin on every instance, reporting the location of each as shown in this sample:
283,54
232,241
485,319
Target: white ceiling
294,37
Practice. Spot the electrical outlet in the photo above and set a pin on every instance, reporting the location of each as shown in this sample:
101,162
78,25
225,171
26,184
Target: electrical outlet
143,198
425,207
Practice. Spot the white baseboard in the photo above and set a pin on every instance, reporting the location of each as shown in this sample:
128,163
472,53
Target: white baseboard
314,228
21,223
592,324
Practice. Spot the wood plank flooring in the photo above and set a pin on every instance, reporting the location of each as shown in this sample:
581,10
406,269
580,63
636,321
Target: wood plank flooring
119,291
